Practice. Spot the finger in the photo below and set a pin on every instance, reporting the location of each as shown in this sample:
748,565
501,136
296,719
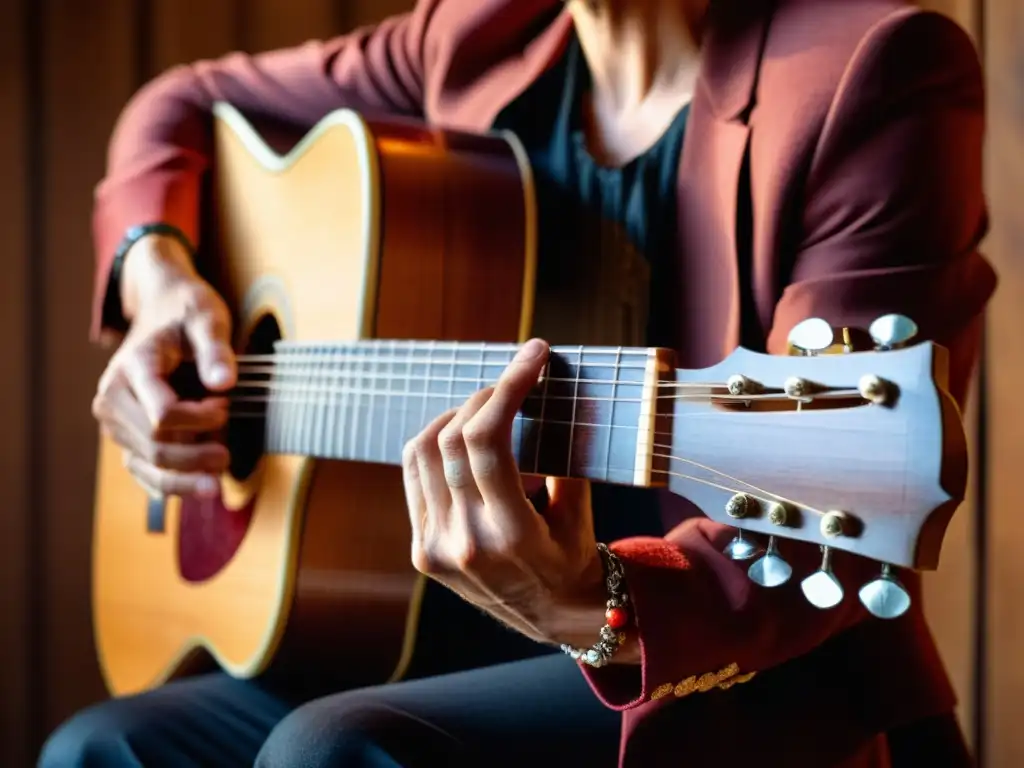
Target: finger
454,455
209,334
568,512
430,464
197,417
415,501
488,434
206,458
144,374
167,482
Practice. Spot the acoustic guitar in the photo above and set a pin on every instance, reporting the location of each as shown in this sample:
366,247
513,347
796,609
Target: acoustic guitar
379,272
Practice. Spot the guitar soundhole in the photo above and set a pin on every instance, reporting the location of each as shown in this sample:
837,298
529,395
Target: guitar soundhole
210,533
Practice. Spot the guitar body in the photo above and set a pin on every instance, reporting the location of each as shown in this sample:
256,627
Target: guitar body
379,272
361,230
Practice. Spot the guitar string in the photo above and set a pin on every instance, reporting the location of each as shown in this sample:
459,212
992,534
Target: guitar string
293,364
669,456
300,389
757,490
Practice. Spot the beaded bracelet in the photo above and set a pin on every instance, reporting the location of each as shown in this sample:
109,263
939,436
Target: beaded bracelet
616,616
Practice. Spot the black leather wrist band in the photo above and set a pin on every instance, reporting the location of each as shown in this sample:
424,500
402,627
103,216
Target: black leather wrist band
113,312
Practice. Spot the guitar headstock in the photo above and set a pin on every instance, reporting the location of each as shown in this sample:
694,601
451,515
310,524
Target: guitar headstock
851,442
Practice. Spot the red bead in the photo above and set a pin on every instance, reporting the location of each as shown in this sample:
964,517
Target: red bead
616,617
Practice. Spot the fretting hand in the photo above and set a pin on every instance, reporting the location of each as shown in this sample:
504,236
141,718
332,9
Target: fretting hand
475,530
168,443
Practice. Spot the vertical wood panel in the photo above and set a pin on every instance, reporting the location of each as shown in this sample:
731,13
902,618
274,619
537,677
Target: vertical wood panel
950,592
1004,59
14,517
267,25
81,104
183,31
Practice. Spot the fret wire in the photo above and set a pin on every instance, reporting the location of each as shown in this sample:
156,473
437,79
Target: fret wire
323,408
295,424
546,375
342,372
387,411
369,426
327,419
306,420
346,435
403,432
572,420
450,402
426,384
615,393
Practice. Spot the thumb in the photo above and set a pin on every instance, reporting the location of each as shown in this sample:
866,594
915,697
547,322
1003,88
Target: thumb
209,334
568,513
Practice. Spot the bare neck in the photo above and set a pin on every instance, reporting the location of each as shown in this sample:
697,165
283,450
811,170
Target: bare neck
643,57
638,50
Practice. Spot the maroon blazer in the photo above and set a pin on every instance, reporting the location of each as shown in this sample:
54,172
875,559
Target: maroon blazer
863,120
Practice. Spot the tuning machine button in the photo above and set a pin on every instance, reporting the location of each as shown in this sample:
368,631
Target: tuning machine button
742,505
892,331
885,597
811,336
739,506
822,589
739,384
770,570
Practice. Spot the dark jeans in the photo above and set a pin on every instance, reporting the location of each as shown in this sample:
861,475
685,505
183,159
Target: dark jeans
537,711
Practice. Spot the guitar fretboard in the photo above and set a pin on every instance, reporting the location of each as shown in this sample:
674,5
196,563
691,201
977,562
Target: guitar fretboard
588,415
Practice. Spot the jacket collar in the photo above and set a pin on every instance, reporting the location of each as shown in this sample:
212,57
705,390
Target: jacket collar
539,30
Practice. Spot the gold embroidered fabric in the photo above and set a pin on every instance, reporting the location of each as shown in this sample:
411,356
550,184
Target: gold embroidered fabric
724,679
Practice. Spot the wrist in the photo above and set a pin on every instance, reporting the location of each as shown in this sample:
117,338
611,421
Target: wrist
152,264
596,626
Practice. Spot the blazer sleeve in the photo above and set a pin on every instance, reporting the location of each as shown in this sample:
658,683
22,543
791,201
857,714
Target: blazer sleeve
162,142
893,215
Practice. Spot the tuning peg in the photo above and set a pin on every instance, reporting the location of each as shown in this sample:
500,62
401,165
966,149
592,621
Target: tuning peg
740,548
822,589
770,570
892,331
855,340
885,597
811,336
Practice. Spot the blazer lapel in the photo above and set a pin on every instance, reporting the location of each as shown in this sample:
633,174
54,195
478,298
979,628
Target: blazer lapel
707,315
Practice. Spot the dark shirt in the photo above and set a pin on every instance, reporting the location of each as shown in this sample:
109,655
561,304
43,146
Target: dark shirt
604,233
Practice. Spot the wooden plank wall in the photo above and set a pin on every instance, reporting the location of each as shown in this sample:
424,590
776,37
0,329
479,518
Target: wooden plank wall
66,70
65,73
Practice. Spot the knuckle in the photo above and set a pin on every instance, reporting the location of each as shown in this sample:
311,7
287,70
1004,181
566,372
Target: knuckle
425,561
450,441
409,456
466,556
158,454
479,436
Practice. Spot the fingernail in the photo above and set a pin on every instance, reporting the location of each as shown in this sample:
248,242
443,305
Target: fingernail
219,374
207,486
530,350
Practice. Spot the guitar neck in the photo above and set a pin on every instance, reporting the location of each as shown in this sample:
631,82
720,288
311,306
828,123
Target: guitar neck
592,413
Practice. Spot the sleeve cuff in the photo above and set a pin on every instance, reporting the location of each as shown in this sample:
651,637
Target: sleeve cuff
655,568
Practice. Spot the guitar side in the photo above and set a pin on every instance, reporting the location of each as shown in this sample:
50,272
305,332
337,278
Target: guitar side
299,558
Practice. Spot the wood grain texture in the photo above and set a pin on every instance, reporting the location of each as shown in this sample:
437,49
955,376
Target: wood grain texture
1004,59
950,592
81,104
15,528
323,246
